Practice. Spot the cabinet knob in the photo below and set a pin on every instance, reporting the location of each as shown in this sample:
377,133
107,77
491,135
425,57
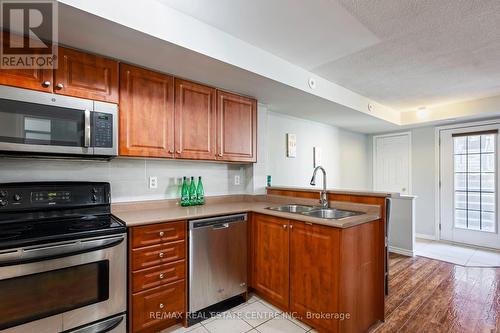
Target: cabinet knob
171,151
161,254
178,151
285,226
220,154
162,305
46,84
162,234
291,226
60,86
161,276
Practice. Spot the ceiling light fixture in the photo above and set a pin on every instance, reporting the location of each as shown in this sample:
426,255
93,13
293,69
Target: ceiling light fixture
422,112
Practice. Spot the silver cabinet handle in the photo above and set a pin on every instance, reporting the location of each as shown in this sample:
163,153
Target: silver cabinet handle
86,139
162,305
161,276
161,254
162,234
291,226
285,226
60,86
46,84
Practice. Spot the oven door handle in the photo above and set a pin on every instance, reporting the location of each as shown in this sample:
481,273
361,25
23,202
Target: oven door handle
57,250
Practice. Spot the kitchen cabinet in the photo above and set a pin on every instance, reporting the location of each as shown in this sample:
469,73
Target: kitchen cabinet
236,128
330,278
34,79
157,276
270,244
195,119
78,74
314,265
86,75
146,113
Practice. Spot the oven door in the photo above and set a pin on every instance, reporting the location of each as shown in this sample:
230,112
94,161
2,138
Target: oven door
72,284
43,123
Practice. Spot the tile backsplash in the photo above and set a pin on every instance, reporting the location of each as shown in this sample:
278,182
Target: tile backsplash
129,177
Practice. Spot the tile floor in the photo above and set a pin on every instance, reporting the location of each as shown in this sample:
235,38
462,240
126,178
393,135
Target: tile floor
254,316
457,254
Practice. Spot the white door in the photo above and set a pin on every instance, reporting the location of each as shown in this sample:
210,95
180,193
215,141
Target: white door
391,163
468,185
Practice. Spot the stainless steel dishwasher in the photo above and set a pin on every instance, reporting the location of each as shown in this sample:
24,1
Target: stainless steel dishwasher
217,260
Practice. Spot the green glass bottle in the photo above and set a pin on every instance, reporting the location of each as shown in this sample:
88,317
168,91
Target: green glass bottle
200,193
192,193
184,193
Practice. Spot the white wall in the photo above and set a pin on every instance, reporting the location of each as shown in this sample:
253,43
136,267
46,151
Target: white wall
345,155
129,177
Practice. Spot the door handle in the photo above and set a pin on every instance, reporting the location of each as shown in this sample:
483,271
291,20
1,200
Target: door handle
86,137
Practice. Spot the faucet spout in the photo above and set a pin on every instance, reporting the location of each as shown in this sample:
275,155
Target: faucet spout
323,197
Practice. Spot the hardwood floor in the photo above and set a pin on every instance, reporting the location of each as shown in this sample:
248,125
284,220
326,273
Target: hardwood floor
428,295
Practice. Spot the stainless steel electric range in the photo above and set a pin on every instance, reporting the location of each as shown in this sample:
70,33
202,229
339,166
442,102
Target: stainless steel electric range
62,259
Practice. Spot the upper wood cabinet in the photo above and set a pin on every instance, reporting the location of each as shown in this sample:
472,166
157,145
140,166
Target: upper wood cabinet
146,113
270,271
236,128
86,75
195,118
35,79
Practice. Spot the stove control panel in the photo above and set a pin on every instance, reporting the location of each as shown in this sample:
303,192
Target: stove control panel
19,196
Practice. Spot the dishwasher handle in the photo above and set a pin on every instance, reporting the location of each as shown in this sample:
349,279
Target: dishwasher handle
220,226
219,222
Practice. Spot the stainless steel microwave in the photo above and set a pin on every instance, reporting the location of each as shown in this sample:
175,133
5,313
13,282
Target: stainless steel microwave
40,123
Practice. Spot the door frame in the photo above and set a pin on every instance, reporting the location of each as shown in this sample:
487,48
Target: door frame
410,154
437,170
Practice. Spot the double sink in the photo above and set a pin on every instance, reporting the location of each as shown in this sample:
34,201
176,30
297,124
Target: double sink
314,211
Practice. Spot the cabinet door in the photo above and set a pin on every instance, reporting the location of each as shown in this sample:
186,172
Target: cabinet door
195,118
236,128
270,261
86,75
146,113
35,79
314,273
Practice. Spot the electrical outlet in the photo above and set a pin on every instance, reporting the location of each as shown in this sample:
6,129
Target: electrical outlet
236,180
153,182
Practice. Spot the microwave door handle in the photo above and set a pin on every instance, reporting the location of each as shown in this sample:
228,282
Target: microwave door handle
86,139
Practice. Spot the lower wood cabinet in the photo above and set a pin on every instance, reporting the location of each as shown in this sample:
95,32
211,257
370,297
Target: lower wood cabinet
271,259
157,276
330,278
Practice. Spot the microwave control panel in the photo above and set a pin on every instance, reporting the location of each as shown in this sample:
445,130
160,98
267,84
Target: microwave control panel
102,130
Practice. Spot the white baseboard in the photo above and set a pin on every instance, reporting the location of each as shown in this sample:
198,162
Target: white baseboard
425,236
401,251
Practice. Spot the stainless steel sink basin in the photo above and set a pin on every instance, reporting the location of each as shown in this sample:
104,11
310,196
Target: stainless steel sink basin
292,208
330,213
323,213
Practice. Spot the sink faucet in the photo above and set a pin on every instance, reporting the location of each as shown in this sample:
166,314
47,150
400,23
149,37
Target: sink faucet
323,197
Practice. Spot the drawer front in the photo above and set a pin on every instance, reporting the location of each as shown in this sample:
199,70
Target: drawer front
158,308
158,254
159,275
153,234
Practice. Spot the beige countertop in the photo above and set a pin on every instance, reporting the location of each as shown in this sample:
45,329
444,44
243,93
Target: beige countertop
148,212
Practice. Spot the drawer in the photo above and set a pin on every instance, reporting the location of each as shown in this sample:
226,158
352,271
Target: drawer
158,308
158,254
158,275
158,233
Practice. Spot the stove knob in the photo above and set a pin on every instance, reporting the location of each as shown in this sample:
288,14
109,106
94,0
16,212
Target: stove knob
3,194
93,197
94,190
3,203
17,197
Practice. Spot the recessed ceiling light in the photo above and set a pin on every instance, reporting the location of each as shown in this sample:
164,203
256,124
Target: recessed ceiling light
422,112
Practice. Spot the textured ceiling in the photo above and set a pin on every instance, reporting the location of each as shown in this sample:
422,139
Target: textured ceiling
402,53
